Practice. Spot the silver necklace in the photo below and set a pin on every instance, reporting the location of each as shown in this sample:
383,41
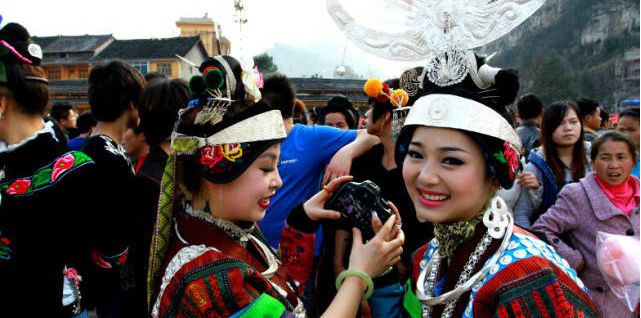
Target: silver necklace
428,276
234,231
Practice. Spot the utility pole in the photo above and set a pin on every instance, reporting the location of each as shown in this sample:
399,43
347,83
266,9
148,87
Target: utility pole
241,19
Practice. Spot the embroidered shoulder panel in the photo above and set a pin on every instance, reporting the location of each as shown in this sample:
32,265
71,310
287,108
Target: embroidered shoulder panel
202,282
46,176
524,246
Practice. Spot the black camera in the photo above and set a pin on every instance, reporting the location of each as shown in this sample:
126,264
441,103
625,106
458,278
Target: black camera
356,202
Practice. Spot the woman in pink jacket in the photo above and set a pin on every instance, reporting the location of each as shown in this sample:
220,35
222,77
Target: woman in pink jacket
606,200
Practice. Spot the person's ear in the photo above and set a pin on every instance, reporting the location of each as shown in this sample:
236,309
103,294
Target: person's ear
387,117
494,185
3,104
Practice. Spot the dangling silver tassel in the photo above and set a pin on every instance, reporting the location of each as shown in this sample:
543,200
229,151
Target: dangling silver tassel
398,119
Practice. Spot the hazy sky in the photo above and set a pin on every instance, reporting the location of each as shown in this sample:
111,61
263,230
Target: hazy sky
292,22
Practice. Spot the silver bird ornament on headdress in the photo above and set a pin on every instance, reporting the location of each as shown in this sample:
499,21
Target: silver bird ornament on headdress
441,32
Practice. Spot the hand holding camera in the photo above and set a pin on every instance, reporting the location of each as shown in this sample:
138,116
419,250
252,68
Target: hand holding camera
356,202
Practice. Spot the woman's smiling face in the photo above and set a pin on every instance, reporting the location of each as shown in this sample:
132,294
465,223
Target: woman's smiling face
247,197
445,174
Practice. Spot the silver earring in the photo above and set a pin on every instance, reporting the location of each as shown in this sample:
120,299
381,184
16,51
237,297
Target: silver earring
497,218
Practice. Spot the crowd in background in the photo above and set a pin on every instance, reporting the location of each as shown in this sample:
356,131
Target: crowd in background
101,177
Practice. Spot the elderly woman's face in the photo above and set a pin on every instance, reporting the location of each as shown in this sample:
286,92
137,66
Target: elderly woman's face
445,175
614,162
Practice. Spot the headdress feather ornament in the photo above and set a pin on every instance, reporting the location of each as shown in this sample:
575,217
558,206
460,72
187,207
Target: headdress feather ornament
440,32
380,91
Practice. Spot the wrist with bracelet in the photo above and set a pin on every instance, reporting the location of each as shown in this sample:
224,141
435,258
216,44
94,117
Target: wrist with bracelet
360,274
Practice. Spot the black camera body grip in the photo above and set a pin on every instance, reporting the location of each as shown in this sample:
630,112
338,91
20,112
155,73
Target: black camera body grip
356,201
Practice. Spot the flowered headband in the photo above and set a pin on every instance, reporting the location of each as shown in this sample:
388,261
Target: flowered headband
380,91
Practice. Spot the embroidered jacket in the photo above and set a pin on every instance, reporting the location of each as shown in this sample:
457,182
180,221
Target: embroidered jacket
529,280
115,197
210,273
44,217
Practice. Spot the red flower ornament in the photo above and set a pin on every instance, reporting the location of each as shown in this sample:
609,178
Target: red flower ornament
61,165
19,186
211,155
511,158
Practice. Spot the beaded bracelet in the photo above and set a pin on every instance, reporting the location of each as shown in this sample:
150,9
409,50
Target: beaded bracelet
360,274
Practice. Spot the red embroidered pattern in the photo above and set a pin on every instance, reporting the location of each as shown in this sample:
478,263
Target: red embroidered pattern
5,248
211,155
61,165
19,186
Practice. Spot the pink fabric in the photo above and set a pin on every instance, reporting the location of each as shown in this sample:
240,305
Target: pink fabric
624,196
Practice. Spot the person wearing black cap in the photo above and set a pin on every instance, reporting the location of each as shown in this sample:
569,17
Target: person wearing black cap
339,113
209,259
43,233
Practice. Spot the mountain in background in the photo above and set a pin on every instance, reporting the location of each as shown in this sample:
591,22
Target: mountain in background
568,49
318,59
576,48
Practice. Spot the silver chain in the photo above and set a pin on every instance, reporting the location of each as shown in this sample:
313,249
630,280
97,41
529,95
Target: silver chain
433,269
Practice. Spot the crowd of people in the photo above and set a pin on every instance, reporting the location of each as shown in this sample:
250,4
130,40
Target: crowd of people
206,198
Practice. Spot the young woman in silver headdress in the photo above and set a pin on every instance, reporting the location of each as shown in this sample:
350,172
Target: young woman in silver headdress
208,257
455,153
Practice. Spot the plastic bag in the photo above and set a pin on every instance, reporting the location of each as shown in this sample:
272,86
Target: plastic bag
619,258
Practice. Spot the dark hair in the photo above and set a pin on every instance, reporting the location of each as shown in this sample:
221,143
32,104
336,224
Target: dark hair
605,117
313,114
615,137
378,108
85,122
552,118
60,110
340,104
31,96
630,112
154,76
159,108
279,93
529,106
113,85
586,107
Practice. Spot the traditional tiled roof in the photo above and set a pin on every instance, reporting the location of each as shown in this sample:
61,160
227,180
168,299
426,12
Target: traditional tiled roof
149,48
68,86
203,20
72,44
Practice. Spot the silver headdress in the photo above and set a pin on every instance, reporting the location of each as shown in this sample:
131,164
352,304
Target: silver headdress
440,32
